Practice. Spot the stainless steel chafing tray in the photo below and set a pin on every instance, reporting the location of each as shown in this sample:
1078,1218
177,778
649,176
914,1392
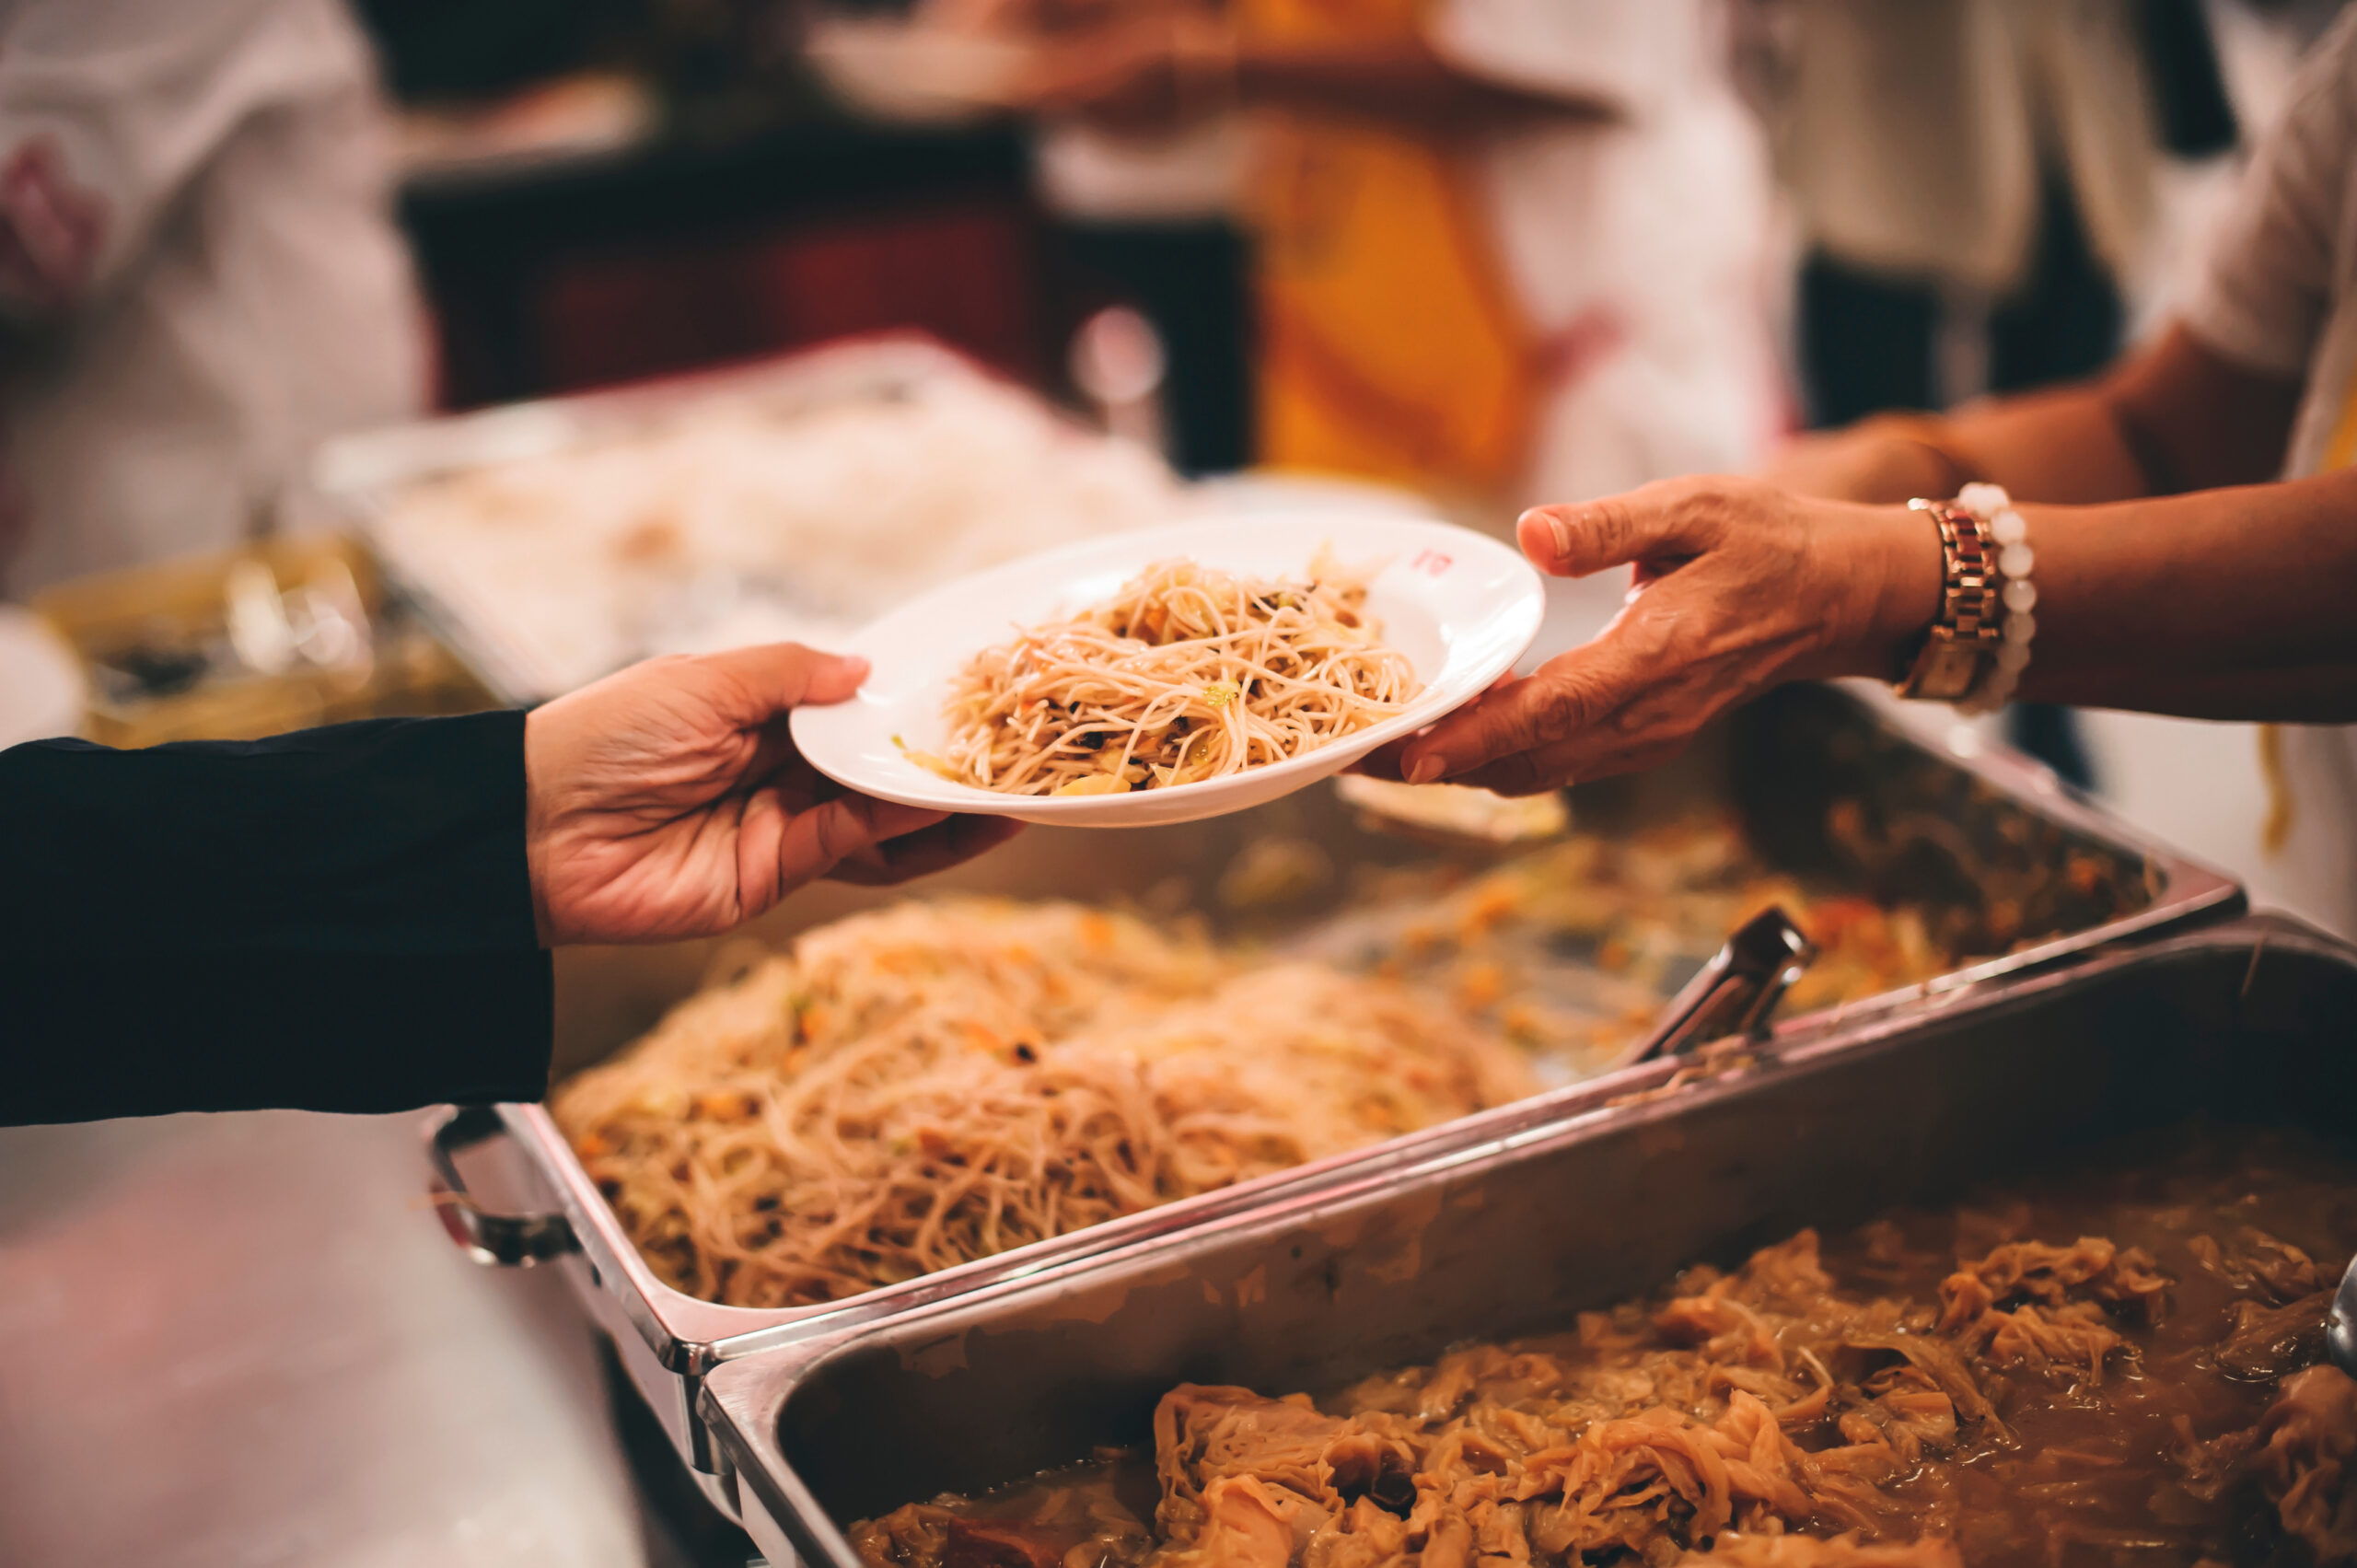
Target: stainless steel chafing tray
1781,765
1589,1201
357,479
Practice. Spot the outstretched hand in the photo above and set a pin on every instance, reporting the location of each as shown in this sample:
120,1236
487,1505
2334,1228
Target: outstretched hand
669,801
1739,586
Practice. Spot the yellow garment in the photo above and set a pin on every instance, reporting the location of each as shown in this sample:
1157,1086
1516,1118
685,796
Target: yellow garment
1390,344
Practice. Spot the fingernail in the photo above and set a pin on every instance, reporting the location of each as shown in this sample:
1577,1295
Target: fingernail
1559,533
1425,769
854,665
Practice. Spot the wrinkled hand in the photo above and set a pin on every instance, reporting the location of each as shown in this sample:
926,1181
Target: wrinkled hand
1739,586
669,801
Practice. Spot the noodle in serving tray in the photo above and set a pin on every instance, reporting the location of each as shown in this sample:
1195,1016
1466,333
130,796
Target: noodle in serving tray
934,1083
1186,674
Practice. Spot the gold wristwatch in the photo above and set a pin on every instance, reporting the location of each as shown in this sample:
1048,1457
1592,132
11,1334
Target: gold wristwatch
1965,637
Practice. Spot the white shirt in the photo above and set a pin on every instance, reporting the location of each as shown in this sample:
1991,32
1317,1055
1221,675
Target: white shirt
2279,295
1911,131
206,279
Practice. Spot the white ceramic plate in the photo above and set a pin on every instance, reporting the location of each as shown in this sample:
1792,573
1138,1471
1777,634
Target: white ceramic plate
1460,605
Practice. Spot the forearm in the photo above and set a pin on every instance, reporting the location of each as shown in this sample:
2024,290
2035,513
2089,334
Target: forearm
2220,603
2062,446
2173,416
2320,693
100,1031
1399,83
337,920
2065,447
2229,603
392,836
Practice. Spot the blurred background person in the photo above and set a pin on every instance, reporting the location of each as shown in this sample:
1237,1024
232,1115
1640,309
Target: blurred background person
1985,195
2194,560
1499,249
1974,182
198,273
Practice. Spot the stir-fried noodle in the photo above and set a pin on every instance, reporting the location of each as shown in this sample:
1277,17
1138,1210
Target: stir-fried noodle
934,1083
1188,674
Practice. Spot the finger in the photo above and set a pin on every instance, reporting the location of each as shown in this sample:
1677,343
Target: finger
1674,692
776,676
1386,761
921,853
1567,695
815,842
1383,761
1580,538
1644,646
777,761
1560,767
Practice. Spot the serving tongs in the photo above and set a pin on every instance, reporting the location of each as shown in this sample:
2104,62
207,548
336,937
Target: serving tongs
1735,994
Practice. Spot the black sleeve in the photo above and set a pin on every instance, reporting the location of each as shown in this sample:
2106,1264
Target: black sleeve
335,920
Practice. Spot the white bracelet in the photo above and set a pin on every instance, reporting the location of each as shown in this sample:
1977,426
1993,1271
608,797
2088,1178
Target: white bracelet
2015,560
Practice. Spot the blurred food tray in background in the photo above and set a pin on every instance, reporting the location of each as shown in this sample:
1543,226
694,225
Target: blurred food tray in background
282,634
794,498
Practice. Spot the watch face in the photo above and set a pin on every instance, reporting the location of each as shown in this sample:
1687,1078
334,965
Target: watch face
1954,666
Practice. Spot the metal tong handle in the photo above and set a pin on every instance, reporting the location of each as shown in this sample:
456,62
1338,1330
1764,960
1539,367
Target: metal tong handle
486,1236
1737,992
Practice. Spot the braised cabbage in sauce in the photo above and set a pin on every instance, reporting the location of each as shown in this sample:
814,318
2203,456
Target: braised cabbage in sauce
2119,1364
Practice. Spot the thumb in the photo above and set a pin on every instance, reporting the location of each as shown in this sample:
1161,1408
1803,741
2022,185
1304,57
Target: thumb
778,675
1580,538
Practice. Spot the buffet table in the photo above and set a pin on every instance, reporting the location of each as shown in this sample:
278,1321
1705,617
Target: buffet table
245,1340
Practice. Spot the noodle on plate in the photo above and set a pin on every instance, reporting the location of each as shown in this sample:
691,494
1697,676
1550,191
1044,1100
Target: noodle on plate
1186,674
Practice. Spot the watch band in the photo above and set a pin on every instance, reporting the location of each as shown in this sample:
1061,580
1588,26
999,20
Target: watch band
1965,636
